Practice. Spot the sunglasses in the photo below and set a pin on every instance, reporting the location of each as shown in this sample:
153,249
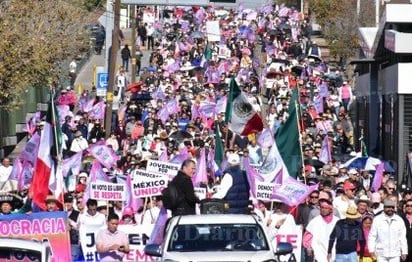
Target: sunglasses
314,197
408,206
391,207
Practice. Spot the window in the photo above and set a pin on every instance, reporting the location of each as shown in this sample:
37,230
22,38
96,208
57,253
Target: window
218,237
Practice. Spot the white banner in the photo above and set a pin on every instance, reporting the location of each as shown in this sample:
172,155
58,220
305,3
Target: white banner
162,168
213,31
144,184
138,236
88,234
107,191
291,234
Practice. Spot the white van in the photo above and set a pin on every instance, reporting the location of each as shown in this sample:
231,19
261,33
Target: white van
216,237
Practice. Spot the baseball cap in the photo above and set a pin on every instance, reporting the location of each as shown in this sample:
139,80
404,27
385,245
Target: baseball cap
348,185
68,198
389,203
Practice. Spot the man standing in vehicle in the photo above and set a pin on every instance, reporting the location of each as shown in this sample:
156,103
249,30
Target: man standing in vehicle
234,187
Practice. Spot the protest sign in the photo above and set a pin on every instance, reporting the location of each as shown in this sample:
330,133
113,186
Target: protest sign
291,234
213,31
138,236
264,190
146,184
163,168
39,236
88,234
107,191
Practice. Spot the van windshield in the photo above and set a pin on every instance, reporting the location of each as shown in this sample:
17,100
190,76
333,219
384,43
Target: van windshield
218,237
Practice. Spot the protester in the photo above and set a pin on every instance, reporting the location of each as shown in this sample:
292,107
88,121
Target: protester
387,237
112,244
347,233
234,187
185,188
407,219
316,241
73,227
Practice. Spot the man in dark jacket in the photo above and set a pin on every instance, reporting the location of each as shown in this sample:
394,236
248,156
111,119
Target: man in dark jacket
234,187
407,218
126,55
184,185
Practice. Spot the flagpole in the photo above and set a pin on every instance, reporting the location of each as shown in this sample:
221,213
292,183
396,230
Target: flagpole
56,142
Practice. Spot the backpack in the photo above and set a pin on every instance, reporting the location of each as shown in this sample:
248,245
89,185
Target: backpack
170,197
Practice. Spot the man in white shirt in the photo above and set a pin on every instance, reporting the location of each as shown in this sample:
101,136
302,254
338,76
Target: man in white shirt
5,170
347,199
387,237
79,143
91,217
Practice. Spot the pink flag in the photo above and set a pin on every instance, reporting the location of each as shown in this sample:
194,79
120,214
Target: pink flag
88,106
131,201
195,111
252,175
292,192
207,110
266,139
98,110
378,177
221,104
163,156
318,104
279,177
103,153
31,149
74,163
182,156
26,176
96,173
201,173
158,231
325,154
16,173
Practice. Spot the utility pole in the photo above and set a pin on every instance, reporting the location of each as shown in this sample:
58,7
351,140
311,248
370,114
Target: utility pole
134,45
112,68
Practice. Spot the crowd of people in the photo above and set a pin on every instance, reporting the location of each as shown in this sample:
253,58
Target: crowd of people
270,53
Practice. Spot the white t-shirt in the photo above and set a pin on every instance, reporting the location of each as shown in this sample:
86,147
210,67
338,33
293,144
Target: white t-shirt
5,173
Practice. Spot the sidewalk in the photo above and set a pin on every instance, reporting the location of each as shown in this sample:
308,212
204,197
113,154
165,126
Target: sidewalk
85,76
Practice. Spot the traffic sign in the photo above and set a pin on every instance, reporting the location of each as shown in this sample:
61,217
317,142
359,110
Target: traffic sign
102,84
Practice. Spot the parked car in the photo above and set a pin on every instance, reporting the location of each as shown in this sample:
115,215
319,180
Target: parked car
216,237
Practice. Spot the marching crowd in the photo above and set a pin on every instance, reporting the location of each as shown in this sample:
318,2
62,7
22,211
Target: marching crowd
269,52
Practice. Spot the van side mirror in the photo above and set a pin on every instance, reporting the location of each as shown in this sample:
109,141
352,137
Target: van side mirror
283,248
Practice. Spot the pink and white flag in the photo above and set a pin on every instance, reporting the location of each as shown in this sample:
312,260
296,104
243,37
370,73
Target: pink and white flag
98,111
31,149
103,153
292,192
74,163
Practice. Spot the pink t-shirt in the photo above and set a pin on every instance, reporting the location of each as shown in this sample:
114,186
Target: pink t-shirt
106,238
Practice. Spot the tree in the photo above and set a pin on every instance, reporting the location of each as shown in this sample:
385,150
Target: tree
36,38
340,22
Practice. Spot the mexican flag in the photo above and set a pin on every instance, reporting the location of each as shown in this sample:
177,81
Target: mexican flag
45,170
240,115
